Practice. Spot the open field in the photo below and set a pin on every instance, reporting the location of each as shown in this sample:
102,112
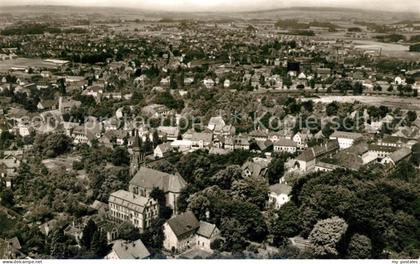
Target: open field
392,102
19,63
388,49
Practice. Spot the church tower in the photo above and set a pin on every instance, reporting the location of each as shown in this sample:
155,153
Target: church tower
137,156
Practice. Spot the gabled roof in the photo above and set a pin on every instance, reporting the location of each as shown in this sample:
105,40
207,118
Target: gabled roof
257,169
98,205
165,147
129,200
203,136
284,142
206,229
183,223
317,151
400,154
150,178
130,250
281,189
349,135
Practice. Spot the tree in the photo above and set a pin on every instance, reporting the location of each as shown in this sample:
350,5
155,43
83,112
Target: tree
415,149
224,178
254,191
99,245
128,232
404,171
360,247
120,156
153,237
327,131
275,170
87,234
233,231
58,247
332,109
411,116
155,138
7,198
52,145
358,88
286,224
326,235
158,195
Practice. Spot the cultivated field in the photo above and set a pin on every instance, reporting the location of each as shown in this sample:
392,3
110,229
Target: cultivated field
392,102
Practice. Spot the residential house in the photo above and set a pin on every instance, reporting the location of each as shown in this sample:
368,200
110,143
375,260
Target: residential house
205,235
257,168
226,83
155,110
111,124
237,143
285,145
74,232
180,232
258,135
146,179
95,91
275,136
47,105
122,249
99,207
201,140
10,248
65,104
219,127
301,138
208,83
184,232
168,132
82,135
130,207
9,166
162,150
279,195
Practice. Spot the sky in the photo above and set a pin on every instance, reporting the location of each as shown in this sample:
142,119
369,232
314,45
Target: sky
230,5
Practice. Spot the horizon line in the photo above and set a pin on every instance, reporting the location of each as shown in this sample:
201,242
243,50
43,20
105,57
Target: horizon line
209,11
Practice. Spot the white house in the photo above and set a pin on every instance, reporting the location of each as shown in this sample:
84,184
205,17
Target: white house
201,140
302,138
208,83
171,133
162,150
226,83
185,232
345,139
285,145
279,195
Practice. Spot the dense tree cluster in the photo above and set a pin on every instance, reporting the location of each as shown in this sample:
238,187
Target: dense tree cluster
380,211
52,145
